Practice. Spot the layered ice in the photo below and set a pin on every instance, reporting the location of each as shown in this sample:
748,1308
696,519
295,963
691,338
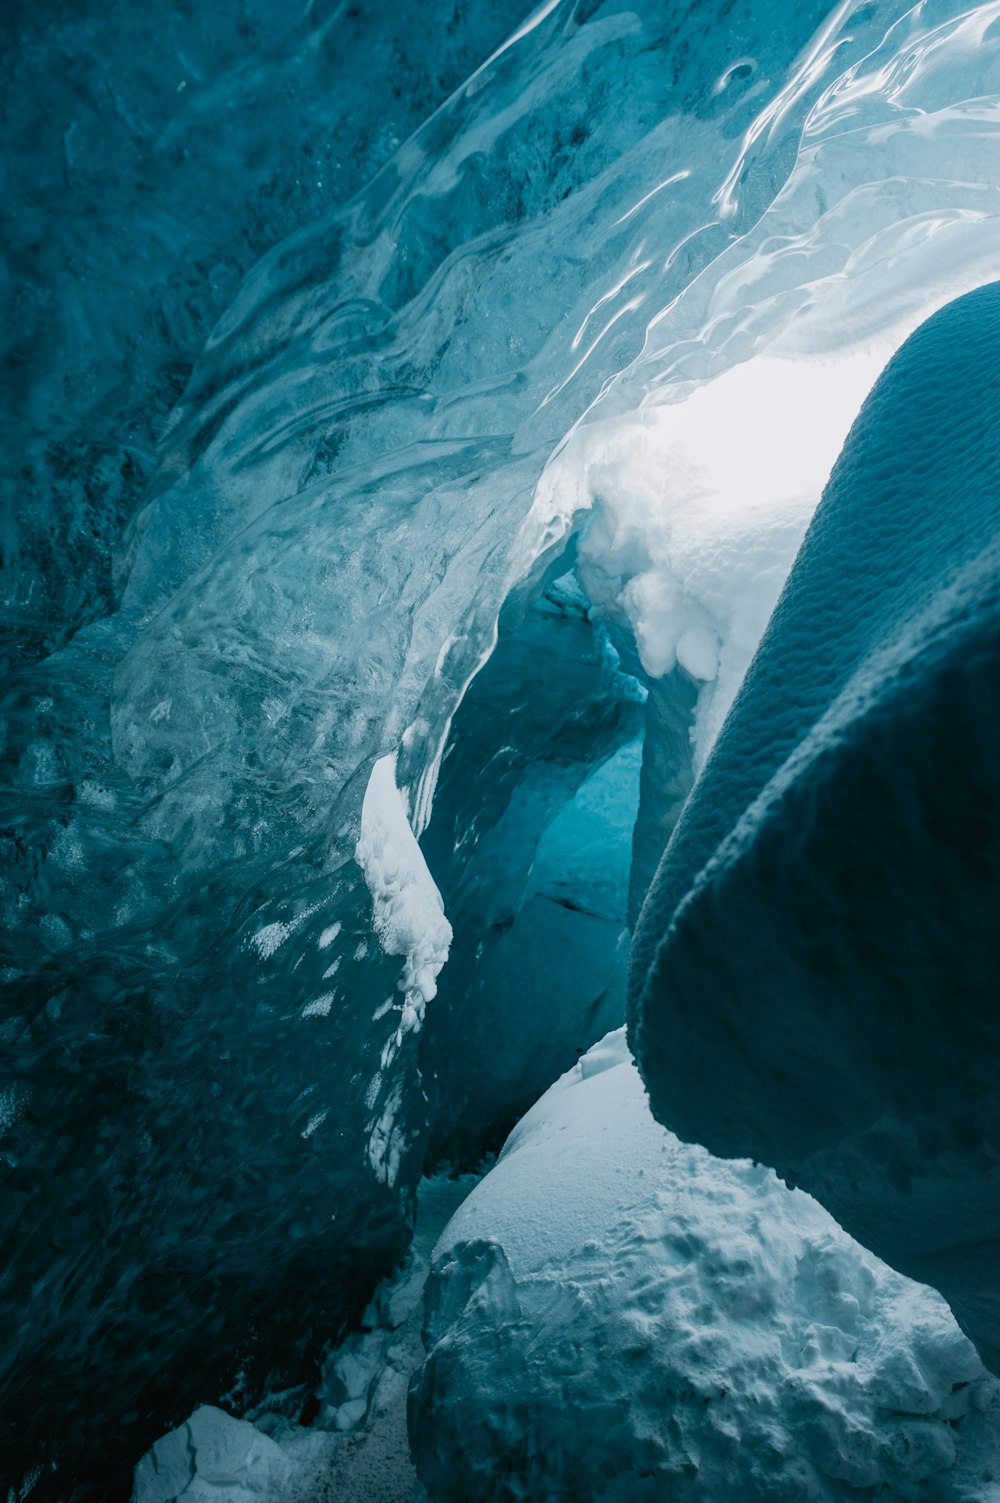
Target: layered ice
827,905
151,157
614,1314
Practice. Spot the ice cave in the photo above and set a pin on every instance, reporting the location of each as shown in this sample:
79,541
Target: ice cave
500,849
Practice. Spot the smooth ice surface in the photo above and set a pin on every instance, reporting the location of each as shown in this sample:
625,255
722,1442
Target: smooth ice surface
814,974
613,1314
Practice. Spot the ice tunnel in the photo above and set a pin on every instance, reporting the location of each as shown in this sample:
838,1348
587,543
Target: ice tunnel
499,541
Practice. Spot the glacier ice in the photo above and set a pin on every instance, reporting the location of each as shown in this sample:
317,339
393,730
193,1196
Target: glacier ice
828,901
357,1448
530,841
476,356
152,156
614,1314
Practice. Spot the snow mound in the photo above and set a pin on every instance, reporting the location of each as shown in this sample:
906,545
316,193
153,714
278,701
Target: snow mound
616,1315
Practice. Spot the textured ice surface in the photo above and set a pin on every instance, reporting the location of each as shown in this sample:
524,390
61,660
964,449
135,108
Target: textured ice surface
205,1075
212,1458
531,840
828,905
613,1314
151,156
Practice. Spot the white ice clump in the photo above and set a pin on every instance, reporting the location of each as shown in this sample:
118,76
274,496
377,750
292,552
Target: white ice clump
212,1458
617,1315
409,917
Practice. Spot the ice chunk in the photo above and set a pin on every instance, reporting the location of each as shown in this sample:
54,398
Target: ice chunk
814,973
212,1458
615,1314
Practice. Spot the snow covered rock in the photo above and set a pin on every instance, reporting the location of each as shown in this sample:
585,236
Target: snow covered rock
613,1314
212,1458
814,976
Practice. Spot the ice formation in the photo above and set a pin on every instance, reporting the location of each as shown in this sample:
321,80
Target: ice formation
863,1047
487,475
408,918
614,1314
212,1458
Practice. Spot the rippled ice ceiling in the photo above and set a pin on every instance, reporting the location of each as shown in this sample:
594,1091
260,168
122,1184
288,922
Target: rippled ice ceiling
443,390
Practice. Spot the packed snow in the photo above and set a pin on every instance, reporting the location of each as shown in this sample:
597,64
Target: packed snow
616,1315
409,918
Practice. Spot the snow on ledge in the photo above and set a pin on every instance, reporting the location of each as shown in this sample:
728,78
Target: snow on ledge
409,917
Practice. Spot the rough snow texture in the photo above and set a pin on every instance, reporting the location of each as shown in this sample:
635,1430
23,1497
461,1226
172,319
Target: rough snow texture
814,977
615,1315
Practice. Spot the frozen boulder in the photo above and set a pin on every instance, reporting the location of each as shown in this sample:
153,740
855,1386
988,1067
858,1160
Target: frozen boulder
814,977
613,1314
212,1458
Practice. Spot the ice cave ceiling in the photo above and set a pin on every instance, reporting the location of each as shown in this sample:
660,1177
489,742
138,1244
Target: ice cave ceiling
413,416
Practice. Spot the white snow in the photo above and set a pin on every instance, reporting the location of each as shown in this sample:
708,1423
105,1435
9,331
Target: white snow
409,917
319,1007
697,509
613,1314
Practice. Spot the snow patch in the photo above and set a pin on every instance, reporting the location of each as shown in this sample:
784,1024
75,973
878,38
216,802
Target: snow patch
698,508
409,917
615,1314
329,935
319,1007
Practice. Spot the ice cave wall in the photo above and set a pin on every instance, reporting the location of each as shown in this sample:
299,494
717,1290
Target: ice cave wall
828,902
215,1109
151,157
